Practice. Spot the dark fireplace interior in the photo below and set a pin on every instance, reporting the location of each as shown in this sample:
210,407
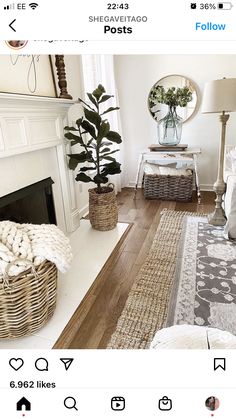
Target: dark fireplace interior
32,204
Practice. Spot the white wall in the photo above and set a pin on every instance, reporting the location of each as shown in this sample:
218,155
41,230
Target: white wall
136,75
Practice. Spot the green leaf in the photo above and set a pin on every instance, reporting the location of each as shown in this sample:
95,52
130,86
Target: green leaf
86,105
86,168
100,179
89,142
109,158
111,152
79,158
70,128
75,159
104,98
114,137
111,168
79,122
89,128
98,92
105,150
73,163
106,143
74,142
103,130
74,138
94,101
93,117
110,110
82,177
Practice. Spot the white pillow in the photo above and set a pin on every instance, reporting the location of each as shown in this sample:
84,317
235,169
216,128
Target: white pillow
230,227
232,157
175,172
151,169
192,337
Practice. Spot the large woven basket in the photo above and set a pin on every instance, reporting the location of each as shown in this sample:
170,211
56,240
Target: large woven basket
103,210
168,187
27,301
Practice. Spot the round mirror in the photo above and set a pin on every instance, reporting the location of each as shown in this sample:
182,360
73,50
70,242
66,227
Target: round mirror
173,91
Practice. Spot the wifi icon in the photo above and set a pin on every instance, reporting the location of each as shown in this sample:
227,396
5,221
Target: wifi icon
33,5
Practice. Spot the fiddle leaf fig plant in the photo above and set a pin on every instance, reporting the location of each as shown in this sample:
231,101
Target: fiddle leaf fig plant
94,135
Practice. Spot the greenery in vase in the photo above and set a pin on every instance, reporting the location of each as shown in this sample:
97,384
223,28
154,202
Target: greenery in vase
94,135
173,97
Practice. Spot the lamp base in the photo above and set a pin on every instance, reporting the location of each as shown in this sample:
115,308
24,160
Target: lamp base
217,218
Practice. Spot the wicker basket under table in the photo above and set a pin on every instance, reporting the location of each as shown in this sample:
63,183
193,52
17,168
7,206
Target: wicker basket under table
168,187
27,301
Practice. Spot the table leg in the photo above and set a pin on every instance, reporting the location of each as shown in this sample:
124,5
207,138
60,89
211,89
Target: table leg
197,178
140,163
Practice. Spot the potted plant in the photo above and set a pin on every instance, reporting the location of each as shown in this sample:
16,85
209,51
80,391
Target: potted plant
93,134
170,127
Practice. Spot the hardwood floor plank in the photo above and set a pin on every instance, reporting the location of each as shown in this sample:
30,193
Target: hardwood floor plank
106,308
96,318
91,296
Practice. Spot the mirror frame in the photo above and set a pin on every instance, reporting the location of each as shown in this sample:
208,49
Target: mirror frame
195,88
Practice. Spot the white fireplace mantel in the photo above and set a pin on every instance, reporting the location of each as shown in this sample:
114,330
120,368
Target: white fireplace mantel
32,123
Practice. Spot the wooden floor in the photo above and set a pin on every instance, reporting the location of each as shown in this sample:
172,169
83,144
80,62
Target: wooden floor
96,318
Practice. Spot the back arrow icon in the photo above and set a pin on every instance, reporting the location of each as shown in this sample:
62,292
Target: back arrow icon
12,24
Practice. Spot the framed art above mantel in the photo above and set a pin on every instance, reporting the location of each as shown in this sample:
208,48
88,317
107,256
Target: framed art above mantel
33,75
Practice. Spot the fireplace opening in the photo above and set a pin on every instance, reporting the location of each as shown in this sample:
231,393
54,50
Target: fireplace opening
32,204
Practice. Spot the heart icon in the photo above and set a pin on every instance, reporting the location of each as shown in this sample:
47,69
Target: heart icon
16,363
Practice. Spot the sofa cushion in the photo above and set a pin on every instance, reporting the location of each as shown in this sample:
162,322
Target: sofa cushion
230,207
230,183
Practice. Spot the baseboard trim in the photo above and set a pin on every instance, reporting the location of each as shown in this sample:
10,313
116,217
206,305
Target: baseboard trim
83,211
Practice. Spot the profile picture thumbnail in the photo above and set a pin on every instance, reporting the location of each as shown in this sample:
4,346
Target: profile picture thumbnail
212,403
16,44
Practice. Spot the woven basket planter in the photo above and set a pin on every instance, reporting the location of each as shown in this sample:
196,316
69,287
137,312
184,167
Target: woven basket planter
27,301
168,187
103,210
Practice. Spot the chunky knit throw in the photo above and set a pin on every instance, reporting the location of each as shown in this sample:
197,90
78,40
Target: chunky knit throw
35,243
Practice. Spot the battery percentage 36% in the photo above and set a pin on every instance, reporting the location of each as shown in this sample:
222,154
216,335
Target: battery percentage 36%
208,6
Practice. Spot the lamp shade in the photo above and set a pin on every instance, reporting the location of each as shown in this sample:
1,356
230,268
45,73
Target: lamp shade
219,96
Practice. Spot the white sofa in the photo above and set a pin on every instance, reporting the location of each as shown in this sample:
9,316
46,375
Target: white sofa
230,179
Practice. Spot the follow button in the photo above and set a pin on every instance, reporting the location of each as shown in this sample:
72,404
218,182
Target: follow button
209,26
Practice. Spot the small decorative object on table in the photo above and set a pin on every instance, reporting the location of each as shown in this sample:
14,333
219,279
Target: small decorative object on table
103,211
162,148
170,127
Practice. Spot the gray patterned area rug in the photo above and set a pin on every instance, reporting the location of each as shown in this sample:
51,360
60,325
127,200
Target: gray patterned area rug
204,289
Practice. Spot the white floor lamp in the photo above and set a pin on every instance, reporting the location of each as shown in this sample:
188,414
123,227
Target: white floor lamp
220,97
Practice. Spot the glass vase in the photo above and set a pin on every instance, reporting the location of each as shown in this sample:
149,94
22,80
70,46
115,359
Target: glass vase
170,128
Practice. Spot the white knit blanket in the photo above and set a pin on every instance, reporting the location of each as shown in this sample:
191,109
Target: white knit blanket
35,243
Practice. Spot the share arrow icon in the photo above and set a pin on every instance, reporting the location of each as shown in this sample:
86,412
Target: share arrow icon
67,362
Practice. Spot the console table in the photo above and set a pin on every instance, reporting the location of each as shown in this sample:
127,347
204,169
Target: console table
188,156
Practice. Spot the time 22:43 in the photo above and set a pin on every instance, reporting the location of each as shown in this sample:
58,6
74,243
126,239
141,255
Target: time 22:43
115,6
